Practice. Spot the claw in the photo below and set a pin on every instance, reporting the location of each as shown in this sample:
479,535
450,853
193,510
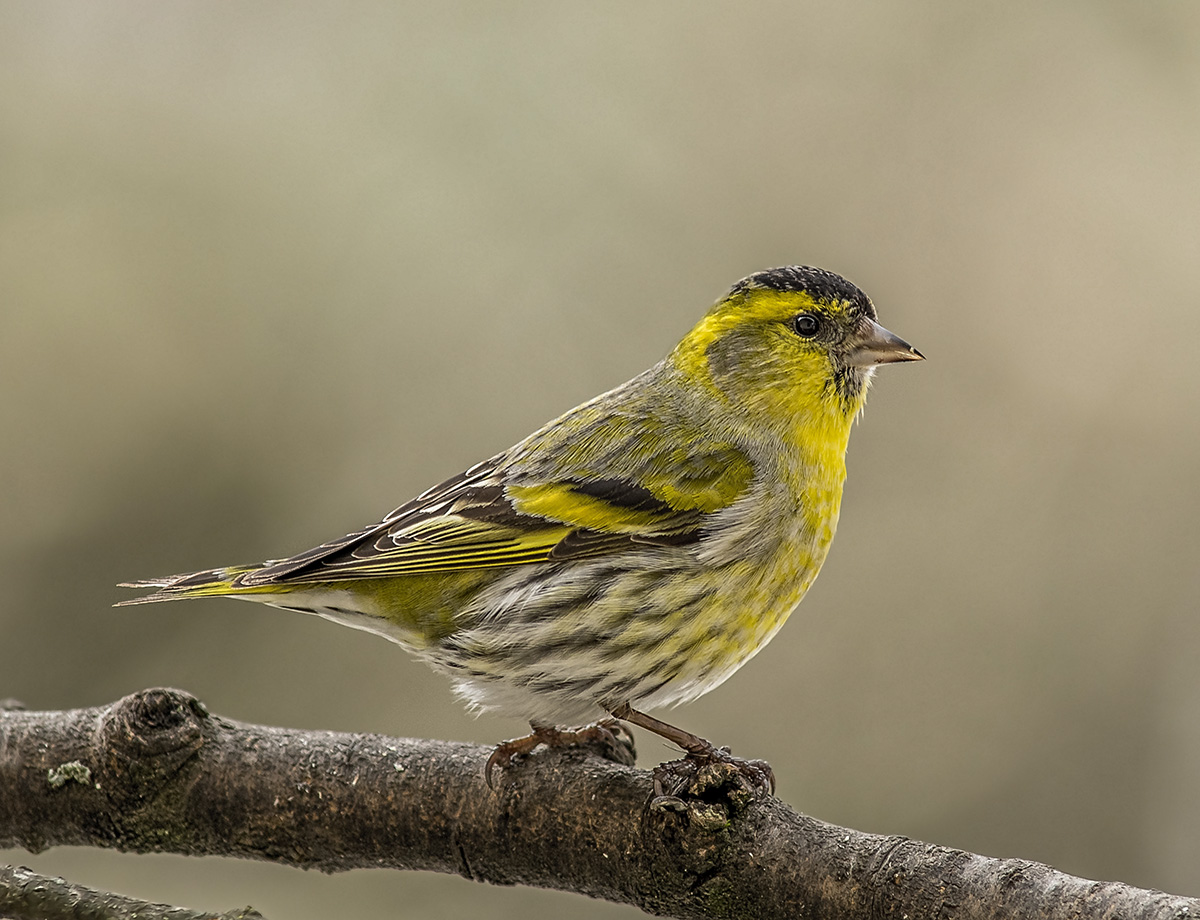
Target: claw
507,750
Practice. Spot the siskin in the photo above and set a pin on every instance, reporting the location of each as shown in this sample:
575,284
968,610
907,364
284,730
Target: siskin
633,553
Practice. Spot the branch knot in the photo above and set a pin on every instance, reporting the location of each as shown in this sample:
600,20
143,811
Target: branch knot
147,737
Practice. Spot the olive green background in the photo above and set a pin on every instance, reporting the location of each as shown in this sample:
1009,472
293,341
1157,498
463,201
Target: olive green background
267,270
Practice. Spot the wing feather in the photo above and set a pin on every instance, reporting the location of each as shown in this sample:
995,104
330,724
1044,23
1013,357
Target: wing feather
498,514
607,477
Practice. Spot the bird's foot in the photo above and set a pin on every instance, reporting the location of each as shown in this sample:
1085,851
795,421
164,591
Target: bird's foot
705,768
609,738
706,771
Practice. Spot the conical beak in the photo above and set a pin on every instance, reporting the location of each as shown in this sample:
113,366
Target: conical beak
878,346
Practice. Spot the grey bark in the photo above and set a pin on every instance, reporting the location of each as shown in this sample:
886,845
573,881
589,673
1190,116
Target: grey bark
155,772
25,895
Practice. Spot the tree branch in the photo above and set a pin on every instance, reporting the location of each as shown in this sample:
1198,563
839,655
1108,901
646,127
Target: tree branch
25,895
154,772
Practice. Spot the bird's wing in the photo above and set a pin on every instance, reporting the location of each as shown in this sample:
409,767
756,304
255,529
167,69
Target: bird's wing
490,517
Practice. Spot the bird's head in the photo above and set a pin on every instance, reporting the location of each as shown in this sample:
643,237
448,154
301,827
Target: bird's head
789,342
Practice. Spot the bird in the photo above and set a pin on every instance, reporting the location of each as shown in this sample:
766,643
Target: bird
631,554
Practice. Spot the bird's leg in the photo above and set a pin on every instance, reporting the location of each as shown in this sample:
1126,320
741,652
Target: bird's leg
611,738
674,777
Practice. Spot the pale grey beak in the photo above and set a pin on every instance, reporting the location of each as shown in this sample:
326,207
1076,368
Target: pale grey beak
876,345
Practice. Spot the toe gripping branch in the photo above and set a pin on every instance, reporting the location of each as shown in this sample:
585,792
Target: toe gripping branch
609,738
671,780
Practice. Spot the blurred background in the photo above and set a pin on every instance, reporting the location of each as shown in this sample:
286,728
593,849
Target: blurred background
268,270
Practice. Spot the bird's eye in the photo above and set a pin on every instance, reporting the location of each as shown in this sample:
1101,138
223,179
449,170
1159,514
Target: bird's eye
806,325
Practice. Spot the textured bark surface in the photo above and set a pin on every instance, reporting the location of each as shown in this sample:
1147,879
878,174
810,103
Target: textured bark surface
156,772
25,895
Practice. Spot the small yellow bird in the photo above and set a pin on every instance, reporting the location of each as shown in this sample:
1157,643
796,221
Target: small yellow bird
631,554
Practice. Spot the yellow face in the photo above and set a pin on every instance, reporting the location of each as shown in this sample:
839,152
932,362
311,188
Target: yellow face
791,342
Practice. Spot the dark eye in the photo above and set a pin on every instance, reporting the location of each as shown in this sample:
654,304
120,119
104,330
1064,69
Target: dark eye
806,325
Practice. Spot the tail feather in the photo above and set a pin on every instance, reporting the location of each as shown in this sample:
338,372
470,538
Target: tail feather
208,583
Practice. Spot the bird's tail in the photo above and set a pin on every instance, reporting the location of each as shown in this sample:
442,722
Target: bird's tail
208,583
